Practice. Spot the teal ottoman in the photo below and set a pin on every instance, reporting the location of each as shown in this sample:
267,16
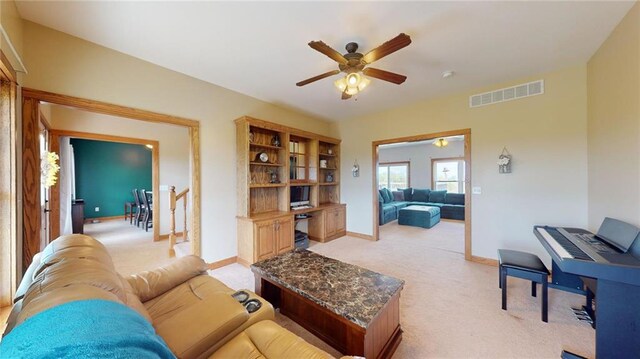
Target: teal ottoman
419,216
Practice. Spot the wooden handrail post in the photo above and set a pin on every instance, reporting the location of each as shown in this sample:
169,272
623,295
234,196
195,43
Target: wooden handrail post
185,235
172,233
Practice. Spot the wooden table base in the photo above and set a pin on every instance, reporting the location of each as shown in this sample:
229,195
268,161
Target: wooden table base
379,340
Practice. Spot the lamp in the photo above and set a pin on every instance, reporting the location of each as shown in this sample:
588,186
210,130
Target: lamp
352,84
441,142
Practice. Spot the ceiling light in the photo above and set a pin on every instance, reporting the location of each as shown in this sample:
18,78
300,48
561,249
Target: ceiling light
352,84
447,74
353,79
441,142
341,84
149,146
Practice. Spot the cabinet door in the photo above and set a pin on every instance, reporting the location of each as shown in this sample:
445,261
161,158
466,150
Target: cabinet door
265,239
341,219
330,222
284,235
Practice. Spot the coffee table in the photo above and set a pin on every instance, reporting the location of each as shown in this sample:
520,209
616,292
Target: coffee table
353,309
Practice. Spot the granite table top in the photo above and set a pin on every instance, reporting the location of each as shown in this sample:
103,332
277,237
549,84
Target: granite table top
352,292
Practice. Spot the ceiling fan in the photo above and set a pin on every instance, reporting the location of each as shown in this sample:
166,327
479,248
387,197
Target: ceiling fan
354,64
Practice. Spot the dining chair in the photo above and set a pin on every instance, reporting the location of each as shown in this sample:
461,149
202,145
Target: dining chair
147,202
141,207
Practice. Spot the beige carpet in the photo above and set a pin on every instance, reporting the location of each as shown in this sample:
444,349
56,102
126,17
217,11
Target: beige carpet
450,308
132,249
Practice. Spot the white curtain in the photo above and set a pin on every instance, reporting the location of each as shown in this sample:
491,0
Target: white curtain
67,184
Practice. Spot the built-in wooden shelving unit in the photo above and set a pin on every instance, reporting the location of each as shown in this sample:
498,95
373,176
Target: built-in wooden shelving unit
290,157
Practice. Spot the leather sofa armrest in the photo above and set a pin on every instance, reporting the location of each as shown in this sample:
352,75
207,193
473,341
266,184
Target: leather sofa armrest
196,328
150,284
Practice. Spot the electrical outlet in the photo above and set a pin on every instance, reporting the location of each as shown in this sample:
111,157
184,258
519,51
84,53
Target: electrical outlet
97,209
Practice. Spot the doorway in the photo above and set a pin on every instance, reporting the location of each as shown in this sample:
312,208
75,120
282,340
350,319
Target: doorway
31,213
398,173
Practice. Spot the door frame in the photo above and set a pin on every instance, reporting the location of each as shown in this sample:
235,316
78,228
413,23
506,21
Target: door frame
10,263
32,97
467,196
55,135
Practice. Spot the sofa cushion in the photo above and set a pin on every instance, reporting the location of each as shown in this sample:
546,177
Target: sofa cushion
433,204
268,340
400,204
398,196
420,195
408,192
380,198
386,194
195,328
437,196
454,198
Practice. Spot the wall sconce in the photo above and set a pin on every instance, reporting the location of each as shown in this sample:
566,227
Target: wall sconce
504,161
355,170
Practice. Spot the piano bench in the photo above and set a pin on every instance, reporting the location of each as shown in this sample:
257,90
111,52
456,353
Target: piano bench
526,266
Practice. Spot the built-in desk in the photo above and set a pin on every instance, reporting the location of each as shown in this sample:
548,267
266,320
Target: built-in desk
264,235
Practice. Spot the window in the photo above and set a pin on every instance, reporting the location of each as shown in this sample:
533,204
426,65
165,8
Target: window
448,174
393,175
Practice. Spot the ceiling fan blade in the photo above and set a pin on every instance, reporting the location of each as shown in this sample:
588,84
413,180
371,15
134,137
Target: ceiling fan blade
327,50
319,77
387,48
384,75
345,95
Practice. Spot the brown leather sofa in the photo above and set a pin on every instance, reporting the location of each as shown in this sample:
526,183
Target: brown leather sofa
193,312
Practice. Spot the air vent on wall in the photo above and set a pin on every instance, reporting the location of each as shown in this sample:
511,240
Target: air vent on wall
507,94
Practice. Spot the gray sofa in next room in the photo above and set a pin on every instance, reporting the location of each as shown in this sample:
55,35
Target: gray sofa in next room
451,204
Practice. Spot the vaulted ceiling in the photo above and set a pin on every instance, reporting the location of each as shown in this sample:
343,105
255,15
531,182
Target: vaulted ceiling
260,48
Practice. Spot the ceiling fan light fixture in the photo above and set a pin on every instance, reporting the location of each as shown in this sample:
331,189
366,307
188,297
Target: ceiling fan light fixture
352,90
364,82
353,79
441,142
341,84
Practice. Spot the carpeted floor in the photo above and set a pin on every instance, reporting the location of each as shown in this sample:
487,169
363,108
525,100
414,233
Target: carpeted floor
450,308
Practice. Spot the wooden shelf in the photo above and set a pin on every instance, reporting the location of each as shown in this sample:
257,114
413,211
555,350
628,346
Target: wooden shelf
266,146
329,183
267,185
327,154
266,164
297,153
328,168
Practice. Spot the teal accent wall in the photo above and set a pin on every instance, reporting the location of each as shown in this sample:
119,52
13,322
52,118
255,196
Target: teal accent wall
106,172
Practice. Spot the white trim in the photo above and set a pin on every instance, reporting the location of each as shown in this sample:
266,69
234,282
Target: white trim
6,38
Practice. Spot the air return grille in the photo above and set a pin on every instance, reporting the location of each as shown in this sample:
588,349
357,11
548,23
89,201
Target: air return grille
507,94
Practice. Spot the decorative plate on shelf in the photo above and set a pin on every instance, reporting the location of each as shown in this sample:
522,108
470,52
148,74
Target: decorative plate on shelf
263,157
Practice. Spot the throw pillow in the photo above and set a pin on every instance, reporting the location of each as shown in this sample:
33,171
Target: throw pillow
380,199
437,196
407,193
386,194
398,196
420,195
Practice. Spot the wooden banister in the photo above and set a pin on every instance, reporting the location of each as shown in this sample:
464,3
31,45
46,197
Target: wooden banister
173,199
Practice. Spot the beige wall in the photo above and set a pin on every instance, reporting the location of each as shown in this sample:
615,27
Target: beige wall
614,125
174,148
546,135
64,64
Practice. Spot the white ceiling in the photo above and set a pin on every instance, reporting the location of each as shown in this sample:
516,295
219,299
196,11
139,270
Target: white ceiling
260,48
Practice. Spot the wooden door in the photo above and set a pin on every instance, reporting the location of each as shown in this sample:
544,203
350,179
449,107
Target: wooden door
330,222
31,207
265,239
285,235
